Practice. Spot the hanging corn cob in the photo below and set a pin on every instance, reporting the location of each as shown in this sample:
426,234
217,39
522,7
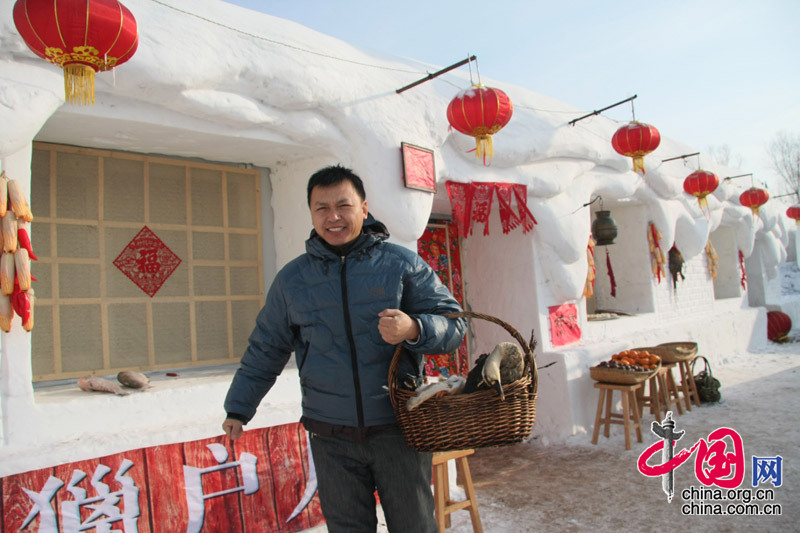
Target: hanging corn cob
15,267
22,265
19,204
9,228
7,273
713,260
6,312
588,289
657,259
3,193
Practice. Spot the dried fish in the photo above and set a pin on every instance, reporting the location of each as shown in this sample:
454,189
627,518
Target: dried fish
134,380
98,384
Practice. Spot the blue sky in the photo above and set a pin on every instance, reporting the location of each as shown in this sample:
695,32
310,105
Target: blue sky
706,72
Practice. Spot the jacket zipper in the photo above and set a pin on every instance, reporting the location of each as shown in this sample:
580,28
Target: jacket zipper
353,356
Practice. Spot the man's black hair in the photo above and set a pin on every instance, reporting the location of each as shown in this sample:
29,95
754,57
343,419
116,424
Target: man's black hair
333,175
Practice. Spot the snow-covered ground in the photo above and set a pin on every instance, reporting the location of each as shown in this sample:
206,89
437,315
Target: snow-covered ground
576,486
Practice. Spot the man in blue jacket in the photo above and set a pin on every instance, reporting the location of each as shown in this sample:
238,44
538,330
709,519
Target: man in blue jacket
341,308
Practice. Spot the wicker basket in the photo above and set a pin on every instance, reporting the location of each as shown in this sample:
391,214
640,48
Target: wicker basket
475,420
620,376
675,352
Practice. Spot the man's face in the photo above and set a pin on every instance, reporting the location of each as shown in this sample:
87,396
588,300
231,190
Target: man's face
337,213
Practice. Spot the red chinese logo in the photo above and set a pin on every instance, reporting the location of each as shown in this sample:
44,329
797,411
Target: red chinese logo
724,469
147,261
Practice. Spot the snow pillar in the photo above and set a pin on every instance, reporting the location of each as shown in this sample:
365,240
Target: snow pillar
16,376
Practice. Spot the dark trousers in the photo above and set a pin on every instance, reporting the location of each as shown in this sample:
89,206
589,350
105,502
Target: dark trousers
349,472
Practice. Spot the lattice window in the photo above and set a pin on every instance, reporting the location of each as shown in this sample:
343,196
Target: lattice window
90,316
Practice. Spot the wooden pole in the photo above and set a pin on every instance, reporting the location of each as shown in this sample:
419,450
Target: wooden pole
437,73
597,112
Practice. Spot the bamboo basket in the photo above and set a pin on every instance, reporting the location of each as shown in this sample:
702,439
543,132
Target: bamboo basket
676,352
620,376
467,421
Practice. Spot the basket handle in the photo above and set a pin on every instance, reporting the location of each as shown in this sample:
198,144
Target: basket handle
705,362
527,348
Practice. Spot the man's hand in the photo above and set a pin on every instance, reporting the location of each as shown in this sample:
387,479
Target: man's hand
395,326
233,428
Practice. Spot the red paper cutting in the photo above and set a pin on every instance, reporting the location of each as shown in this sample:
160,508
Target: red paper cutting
525,215
147,261
564,327
461,203
508,219
482,203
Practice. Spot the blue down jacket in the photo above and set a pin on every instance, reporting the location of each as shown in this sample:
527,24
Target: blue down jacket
325,308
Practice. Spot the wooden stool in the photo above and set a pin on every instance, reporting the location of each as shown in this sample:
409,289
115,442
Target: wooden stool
441,489
658,398
629,410
687,384
672,392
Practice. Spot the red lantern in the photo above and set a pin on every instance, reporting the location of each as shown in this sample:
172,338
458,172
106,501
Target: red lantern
794,212
80,36
779,324
480,112
754,198
636,140
701,183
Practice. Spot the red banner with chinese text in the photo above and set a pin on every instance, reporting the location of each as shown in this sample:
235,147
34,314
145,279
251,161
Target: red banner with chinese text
209,485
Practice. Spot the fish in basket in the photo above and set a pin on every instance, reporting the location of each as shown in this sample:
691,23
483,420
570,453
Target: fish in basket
495,405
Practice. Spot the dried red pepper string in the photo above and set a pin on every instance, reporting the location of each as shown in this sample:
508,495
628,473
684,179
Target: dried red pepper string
654,231
743,281
611,275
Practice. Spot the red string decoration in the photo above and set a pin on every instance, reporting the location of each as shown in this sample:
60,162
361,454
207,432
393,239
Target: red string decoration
611,275
743,281
508,219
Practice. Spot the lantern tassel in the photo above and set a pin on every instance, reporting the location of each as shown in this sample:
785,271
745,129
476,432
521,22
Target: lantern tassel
79,84
638,164
484,147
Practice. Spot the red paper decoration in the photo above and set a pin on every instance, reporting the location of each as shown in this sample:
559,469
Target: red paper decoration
482,194
564,325
794,213
80,36
779,324
701,183
147,261
480,112
636,140
754,198
472,202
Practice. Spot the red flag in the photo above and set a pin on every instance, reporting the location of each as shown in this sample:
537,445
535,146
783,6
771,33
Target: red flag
460,195
508,218
482,203
525,216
